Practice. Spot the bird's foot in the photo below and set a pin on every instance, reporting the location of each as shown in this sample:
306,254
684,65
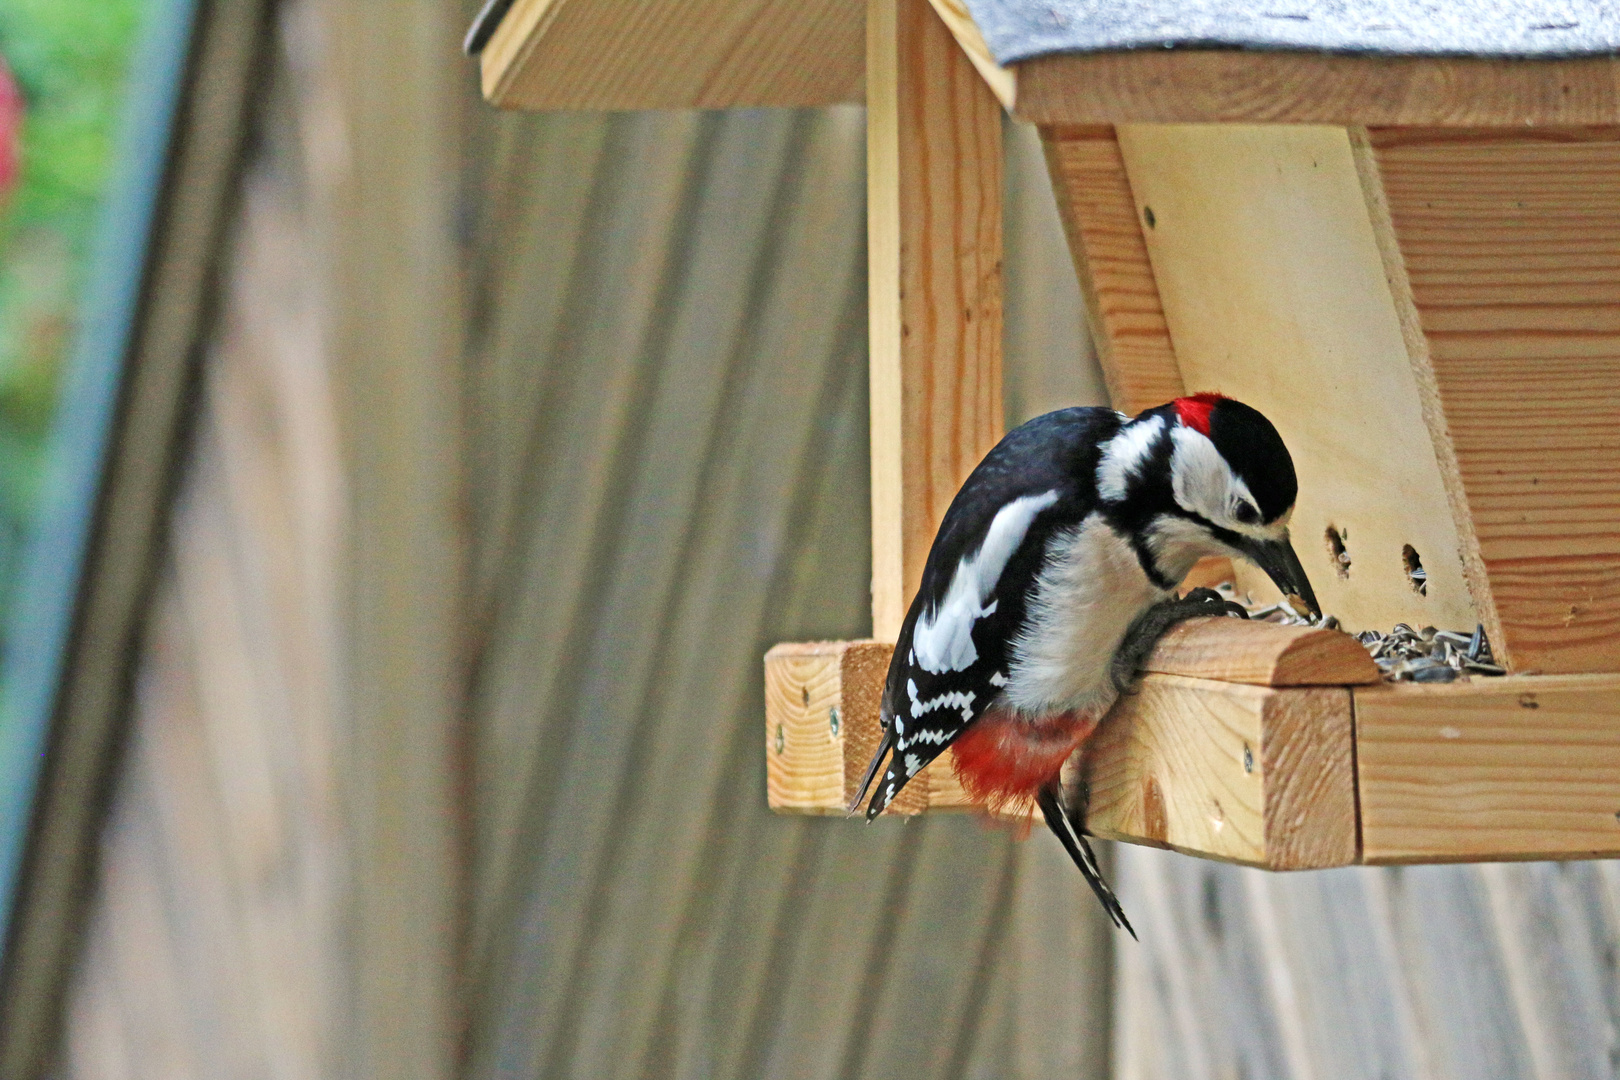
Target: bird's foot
1146,630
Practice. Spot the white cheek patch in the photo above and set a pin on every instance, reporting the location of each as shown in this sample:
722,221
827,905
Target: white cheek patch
943,639
1202,481
1125,454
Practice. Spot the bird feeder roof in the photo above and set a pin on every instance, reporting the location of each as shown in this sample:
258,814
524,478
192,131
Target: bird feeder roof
1017,30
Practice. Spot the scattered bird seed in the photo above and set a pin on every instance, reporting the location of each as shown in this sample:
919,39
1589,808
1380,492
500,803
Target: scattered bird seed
1404,654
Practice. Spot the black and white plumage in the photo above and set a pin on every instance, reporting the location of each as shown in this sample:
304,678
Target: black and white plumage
1075,525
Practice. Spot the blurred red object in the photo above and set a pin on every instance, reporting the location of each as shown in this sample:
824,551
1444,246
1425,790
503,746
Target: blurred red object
11,120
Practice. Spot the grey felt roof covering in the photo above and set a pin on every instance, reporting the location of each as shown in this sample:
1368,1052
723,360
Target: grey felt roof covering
1021,29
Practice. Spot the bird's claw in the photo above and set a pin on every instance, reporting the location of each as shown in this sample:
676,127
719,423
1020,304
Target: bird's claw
1147,628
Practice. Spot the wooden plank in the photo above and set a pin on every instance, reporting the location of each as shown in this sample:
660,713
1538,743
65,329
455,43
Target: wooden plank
1104,229
1275,290
1509,244
1213,85
1003,81
934,190
1524,767
822,701
1103,223
1262,654
665,54
1240,773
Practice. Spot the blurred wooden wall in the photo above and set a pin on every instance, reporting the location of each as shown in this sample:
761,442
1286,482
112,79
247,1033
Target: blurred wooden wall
522,439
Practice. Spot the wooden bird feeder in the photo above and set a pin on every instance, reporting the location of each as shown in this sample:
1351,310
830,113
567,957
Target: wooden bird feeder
1409,261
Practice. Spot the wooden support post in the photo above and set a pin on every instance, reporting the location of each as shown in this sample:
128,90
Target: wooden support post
934,189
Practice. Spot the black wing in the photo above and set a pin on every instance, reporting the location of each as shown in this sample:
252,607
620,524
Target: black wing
951,658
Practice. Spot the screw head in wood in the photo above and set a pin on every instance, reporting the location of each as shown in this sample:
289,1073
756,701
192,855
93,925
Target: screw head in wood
1248,759
781,739
832,721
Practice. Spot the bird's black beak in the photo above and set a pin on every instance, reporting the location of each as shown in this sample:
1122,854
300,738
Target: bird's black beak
1277,559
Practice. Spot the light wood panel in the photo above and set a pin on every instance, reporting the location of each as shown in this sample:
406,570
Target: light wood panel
1275,291
1240,773
1510,243
934,190
1519,767
1232,86
1102,220
664,54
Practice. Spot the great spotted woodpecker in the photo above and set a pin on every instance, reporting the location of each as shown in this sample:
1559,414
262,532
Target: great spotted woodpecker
1051,578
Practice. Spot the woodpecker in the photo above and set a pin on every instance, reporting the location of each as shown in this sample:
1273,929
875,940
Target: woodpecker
1052,576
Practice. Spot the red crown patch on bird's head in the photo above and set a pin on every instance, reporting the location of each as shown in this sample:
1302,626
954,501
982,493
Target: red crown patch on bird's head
1194,411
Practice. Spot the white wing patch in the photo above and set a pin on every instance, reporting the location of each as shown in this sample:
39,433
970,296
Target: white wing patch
1124,455
951,699
943,639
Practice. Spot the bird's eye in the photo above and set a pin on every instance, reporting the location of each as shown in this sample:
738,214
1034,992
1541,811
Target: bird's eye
1247,514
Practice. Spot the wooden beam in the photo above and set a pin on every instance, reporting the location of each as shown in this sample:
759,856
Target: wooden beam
1104,227
822,727
1504,254
1123,311
1002,81
666,54
1245,774
1275,289
934,190
1230,86
1293,775
1262,654
1523,767
822,698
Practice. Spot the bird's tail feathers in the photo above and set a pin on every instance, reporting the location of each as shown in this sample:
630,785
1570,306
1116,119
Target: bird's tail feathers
1074,842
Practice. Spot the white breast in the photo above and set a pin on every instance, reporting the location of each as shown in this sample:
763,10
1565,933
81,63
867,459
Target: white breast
1087,595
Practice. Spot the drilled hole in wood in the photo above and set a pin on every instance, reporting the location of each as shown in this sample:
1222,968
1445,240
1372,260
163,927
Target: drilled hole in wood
1337,552
1415,574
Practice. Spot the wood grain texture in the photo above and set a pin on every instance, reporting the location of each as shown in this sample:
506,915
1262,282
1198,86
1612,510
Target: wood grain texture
1274,287
1510,243
1003,81
1240,773
814,766
668,54
822,727
814,763
1514,768
934,191
1103,223
1262,654
1212,85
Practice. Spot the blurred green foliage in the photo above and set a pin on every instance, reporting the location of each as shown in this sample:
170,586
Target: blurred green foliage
69,59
